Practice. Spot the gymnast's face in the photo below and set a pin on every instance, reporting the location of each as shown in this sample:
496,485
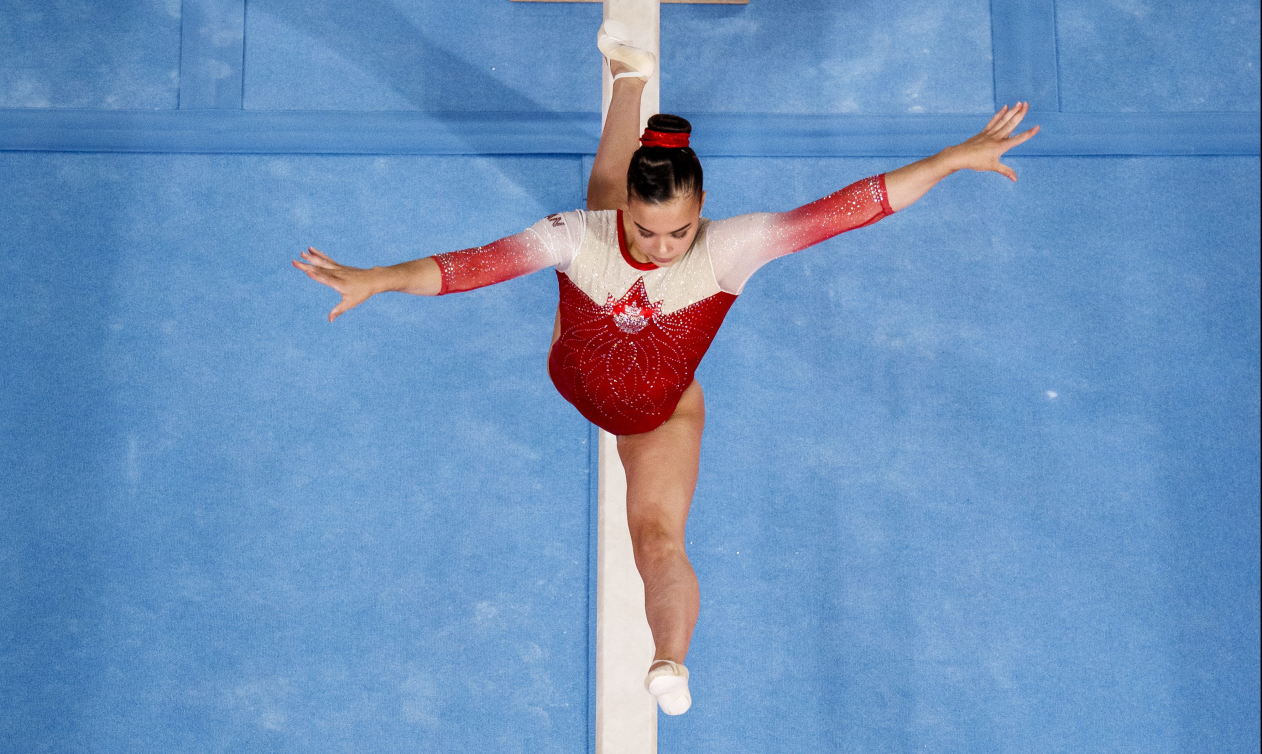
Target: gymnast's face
662,233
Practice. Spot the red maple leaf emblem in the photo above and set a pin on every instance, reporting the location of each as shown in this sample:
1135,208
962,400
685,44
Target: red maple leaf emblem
632,312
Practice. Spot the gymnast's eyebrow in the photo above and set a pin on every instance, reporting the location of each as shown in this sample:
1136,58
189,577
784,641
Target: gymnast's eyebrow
676,230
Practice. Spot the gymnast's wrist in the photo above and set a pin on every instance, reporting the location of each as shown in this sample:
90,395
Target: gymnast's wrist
950,160
385,279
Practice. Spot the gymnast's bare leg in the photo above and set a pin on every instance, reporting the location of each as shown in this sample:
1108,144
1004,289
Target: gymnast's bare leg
661,468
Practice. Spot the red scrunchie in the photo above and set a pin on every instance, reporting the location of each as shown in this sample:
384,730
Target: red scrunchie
653,138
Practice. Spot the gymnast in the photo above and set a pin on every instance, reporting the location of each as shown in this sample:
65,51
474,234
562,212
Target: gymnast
645,282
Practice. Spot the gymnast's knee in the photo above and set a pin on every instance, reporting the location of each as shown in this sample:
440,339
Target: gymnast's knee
651,541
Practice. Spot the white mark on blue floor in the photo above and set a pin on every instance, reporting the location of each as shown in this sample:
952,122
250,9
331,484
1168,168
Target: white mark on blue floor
485,612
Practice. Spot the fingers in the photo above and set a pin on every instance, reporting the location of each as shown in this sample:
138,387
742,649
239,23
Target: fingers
1005,170
346,304
322,276
315,273
1004,116
995,118
1024,137
309,269
1002,122
1012,120
1020,138
337,310
320,260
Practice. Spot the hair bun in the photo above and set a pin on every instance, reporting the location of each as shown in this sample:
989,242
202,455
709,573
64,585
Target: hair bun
669,124
664,167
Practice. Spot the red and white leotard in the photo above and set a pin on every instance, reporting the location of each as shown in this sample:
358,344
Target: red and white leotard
633,333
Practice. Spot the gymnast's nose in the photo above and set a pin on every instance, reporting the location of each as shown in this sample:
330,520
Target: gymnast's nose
667,248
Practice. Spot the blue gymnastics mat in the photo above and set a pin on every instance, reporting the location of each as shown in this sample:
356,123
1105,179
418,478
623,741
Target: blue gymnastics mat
983,477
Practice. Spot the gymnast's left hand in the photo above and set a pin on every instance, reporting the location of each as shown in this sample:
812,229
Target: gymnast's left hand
982,152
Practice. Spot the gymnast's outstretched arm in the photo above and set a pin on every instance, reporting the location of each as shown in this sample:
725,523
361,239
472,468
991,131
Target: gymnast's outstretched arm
549,242
981,152
740,245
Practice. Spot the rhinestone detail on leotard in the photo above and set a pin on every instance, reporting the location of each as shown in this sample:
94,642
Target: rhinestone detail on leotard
633,311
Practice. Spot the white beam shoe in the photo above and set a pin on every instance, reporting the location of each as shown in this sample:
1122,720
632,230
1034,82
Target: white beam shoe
613,40
669,685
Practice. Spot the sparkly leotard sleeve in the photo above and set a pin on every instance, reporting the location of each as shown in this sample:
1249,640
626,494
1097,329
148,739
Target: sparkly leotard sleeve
740,245
548,243
632,333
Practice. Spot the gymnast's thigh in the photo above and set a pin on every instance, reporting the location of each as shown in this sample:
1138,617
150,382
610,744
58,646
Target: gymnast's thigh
661,467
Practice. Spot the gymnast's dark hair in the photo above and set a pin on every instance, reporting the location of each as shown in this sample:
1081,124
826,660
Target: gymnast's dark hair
659,174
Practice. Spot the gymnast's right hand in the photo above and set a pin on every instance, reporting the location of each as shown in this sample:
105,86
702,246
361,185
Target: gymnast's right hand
354,283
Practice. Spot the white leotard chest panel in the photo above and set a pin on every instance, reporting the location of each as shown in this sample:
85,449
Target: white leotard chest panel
599,269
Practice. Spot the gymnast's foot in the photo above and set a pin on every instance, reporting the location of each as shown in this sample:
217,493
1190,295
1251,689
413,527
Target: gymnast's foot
667,681
613,40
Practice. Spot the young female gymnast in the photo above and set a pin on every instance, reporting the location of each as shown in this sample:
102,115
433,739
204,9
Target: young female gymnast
645,282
